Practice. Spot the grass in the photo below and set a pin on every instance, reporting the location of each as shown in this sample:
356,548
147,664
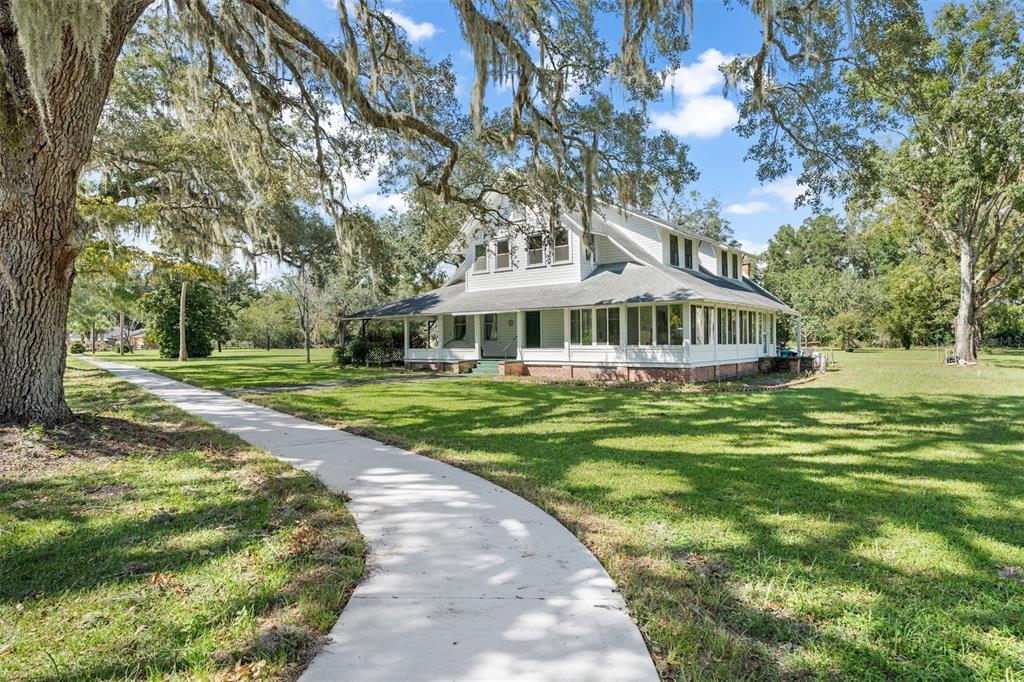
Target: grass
864,526
249,368
141,543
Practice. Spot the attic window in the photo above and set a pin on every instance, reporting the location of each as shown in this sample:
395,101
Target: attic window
673,250
725,263
735,266
688,253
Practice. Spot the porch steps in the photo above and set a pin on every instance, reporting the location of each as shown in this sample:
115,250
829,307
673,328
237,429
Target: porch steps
485,367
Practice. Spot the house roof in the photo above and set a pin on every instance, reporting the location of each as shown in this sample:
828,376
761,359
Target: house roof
610,284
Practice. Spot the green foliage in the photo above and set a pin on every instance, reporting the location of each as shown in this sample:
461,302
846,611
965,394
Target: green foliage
920,302
268,321
205,318
76,348
352,352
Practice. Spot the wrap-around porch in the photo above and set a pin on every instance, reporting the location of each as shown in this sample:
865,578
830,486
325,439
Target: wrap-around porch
649,334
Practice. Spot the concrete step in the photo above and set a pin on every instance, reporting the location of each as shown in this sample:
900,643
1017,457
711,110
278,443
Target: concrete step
484,367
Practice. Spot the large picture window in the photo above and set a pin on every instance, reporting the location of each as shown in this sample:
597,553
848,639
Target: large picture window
480,258
606,326
491,327
673,250
502,257
580,327
560,245
534,250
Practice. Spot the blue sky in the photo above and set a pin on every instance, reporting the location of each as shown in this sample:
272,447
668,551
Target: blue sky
696,111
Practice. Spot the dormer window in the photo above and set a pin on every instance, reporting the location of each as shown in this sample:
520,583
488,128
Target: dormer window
725,263
480,258
735,266
560,241
502,257
534,250
673,250
688,253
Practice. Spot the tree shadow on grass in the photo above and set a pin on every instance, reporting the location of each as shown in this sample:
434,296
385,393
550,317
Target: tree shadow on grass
900,505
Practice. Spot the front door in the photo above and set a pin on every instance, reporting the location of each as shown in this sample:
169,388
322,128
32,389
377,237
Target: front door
532,329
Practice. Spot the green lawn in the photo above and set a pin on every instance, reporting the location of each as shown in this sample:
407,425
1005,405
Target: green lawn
249,368
141,543
868,525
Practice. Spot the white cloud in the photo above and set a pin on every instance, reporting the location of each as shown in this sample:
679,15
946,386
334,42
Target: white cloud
748,208
366,192
416,31
756,248
704,116
698,113
698,78
787,189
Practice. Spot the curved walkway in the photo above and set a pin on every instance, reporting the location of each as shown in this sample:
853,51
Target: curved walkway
466,581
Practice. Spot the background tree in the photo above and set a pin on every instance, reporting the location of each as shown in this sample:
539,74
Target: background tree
267,321
948,90
204,315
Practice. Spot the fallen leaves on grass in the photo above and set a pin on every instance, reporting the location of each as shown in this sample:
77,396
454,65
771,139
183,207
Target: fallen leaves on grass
1011,573
241,671
167,582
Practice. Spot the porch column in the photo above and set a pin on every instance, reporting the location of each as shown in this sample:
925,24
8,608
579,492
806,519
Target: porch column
566,332
799,339
623,328
477,335
520,333
687,333
405,336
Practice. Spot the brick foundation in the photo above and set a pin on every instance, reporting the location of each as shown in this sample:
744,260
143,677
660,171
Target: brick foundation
682,375
432,365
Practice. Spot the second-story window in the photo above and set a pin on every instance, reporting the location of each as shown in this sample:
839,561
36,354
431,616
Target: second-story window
560,244
725,263
534,250
673,250
480,258
688,253
735,266
502,257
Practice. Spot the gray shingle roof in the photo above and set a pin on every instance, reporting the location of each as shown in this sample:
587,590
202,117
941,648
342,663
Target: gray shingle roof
611,284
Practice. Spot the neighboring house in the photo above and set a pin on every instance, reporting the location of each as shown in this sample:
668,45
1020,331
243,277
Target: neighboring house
136,337
647,301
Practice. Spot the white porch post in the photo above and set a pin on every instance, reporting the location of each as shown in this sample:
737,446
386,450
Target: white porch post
623,328
477,335
566,333
405,333
686,333
799,338
520,333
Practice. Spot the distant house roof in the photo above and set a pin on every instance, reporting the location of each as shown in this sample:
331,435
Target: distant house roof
611,284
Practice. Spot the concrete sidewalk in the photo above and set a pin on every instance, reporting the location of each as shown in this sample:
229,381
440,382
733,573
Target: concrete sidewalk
466,581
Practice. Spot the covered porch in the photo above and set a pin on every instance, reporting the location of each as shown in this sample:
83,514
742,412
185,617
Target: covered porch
666,334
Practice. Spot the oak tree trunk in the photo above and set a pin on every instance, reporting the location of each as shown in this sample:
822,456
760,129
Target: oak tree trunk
42,152
966,317
182,350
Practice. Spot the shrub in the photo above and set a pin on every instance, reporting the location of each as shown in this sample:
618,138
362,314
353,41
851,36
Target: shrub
362,351
205,318
76,348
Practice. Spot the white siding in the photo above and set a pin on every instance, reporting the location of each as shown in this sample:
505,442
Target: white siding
520,275
643,233
607,252
552,328
708,256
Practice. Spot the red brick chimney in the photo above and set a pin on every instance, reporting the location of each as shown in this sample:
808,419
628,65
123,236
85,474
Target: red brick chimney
747,269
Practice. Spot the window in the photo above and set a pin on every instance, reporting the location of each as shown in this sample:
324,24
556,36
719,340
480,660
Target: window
502,258
534,250
606,326
580,329
491,327
700,325
688,253
459,327
735,266
670,324
675,324
480,258
725,263
673,250
560,240
640,325
723,326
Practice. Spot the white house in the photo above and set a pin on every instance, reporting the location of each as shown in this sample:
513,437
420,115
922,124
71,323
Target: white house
648,301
